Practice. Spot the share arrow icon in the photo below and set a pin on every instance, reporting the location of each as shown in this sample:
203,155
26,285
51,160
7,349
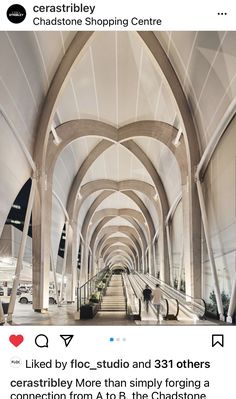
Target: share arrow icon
67,339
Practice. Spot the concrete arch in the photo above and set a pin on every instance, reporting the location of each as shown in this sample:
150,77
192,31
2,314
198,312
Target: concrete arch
138,265
114,267
71,131
104,221
119,249
118,212
77,181
121,255
191,208
125,247
60,78
130,232
119,261
98,200
90,244
74,130
140,154
163,208
132,213
144,210
192,145
113,240
41,232
136,200
105,184
159,131
118,245
95,204
97,230
94,237
102,146
126,185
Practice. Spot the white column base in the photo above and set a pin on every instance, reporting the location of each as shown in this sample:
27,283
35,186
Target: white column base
222,317
77,315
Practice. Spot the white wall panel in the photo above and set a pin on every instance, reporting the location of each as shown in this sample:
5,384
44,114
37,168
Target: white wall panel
166,165
14,170
220,188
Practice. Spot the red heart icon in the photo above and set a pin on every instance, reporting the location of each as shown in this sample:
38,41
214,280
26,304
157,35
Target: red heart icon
16,340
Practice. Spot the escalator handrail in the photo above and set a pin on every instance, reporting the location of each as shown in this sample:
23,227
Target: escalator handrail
134,290
125,289
131,283
175,290
166,293
164,299
183,297
167,307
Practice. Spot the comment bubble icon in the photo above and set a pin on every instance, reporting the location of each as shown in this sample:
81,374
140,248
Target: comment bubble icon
41,341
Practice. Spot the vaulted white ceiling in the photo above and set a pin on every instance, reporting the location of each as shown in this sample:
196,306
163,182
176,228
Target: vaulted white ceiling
116,81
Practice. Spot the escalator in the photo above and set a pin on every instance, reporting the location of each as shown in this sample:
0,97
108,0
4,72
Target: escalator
136,307
189,308
169,306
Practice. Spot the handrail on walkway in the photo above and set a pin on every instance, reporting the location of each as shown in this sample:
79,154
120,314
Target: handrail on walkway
84,292
165,301
195,305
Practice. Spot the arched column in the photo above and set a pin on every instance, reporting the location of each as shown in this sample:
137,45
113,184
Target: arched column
91,212
119,251
137,228
119,246
99,241
191,210
118,240
84,262
41,216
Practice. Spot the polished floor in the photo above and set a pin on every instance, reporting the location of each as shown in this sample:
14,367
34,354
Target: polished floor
64,315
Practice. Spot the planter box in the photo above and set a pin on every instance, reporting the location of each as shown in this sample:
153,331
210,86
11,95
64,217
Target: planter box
88,311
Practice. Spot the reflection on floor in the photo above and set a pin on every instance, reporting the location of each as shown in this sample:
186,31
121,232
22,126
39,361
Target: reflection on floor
24,315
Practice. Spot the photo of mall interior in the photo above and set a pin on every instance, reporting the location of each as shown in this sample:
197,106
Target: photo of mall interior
118,178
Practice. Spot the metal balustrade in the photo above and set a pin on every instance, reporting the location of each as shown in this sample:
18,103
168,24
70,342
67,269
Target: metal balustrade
91,286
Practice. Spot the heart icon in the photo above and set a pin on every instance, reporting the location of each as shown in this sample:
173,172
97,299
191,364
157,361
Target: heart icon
16,340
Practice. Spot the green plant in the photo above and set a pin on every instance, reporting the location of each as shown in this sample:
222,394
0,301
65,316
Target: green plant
212,305
95,297
100,286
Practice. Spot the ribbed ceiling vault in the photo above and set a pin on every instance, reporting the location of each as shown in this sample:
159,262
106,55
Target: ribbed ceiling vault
132,114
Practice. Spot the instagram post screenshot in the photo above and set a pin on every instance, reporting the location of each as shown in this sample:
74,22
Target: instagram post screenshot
117,199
